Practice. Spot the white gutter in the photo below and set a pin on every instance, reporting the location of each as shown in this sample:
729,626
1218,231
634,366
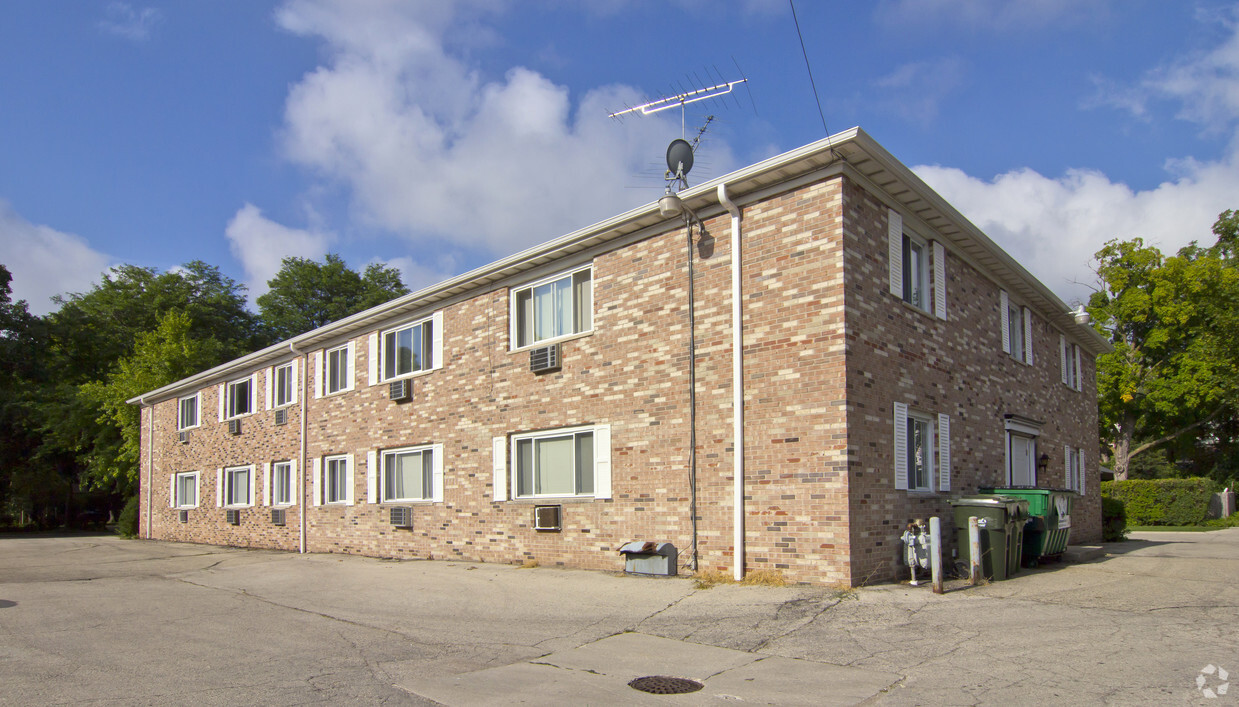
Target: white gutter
305,378
737,387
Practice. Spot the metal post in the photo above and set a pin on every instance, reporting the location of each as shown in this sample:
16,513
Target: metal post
974,551
935,553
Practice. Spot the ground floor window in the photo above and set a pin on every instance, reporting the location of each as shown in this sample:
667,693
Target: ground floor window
239,486
282,483
557,463
336,480
185,490
408,474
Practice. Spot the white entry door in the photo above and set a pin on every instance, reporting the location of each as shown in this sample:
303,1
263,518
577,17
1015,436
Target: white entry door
1022,471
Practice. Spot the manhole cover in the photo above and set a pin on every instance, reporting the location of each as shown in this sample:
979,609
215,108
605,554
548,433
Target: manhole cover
664,685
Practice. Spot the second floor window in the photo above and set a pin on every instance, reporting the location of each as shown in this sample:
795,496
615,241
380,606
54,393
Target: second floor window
239,398
187,415
284,387
339,370
558,306
408,349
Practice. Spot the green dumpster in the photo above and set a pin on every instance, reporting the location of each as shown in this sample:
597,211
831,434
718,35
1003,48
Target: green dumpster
1049,520
1001,520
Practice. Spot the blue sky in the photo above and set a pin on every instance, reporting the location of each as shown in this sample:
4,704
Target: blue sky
438,136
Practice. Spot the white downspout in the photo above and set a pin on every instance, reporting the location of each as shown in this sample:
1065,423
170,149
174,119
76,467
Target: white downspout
737,387
301,470
150,465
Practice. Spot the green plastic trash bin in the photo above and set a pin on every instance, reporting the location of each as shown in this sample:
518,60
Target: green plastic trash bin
1049,520
1001,520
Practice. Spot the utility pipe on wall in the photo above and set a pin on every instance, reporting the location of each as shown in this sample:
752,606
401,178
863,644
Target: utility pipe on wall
150,461
737,387
305,378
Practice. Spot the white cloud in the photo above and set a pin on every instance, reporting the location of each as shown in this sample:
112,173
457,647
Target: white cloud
1204,84
916,89
431,150
45,262
417,276
1053,226
124,21
989,14
261,245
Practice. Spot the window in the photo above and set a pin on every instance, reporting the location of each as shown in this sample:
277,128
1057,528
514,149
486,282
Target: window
922,450
911,277
185,490
1074,464
1070,360
336,477
553,308
284,385
408,474
555,464
239,398
915,272
282,483
187,416
239,486
408,349
1016,329
339,369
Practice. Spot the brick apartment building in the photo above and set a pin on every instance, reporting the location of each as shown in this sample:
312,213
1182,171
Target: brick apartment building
893,357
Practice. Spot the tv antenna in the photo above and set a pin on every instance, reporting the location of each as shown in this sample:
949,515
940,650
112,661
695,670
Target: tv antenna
681,100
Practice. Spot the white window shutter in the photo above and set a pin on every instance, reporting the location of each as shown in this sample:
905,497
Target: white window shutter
270,388
602,461
372,357
197,489
348,479
1075,349
436,473
223,389
172,492
292,482
1062,355
372,476
1083,476
293,381
901,446
1004,303
316,480
499,467
944,452
939,280
350,374
219,488
436,340
1028,345
254,392
266,483
895,249
1067,466
318,373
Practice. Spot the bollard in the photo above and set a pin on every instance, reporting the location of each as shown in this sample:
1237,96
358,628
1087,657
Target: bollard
974,551
935,553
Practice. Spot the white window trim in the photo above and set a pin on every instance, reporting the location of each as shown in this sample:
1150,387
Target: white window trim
228,471
1026,315
927,286
939,467
436,474
513,320
226,394
933,274
348,480
1074,456
197,398
272,403
269,483
1026,428
349,378
602,462
378,349
197,490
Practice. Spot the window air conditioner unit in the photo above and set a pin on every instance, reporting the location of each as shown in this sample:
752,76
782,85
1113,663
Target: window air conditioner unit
234,427
400,390
281,416
183,516
402,517
548,518
545,359
277,516
233,516
183,437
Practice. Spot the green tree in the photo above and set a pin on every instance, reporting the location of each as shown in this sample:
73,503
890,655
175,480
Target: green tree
306,294
1174,368
167,354
21,340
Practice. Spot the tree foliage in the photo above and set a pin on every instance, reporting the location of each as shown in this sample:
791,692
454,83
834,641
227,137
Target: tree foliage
1175,364
306,294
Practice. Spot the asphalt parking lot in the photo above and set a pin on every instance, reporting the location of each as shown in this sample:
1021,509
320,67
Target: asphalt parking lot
99,619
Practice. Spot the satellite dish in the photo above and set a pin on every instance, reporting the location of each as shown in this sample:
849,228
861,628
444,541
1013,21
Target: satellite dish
679,157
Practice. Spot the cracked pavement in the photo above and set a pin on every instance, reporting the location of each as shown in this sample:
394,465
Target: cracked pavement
99,619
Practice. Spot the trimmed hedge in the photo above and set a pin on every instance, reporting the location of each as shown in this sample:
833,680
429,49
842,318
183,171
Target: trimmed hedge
127,523
1162,501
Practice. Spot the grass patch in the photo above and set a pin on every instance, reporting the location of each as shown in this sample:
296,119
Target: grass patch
528,565
704,579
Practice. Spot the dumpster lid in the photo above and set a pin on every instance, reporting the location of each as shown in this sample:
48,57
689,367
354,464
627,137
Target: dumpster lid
646,547
985,501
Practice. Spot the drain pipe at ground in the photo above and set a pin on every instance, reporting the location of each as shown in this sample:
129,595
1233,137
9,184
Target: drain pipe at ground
737,386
